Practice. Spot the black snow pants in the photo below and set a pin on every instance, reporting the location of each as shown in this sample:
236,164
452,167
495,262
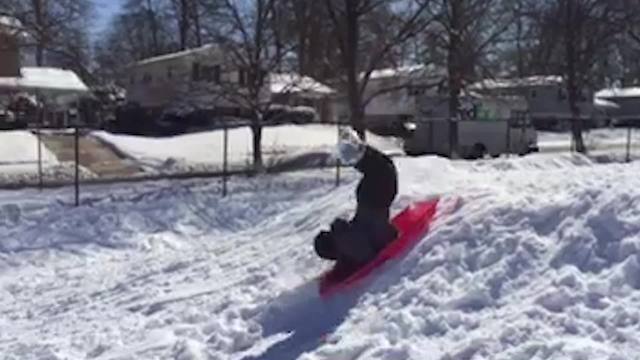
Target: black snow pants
358,241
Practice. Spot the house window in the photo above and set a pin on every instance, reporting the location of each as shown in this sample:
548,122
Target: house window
562,95
210,73
170,72
216,74
252,76
583,96
147,78
248,77
196,72
242,77
534,93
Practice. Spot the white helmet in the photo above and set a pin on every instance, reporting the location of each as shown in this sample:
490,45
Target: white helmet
350,147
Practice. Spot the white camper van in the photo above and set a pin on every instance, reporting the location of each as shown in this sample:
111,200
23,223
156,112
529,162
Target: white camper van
489,126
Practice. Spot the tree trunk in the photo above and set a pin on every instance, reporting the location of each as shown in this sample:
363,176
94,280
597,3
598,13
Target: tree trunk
256,129
183,23
571,27
520,56
356,110
454,68
151,16
196,23
302,24
38,8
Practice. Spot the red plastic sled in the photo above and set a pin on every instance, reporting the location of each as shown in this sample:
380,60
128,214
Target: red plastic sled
412,223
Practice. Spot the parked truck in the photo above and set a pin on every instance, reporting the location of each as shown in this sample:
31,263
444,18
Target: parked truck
486,126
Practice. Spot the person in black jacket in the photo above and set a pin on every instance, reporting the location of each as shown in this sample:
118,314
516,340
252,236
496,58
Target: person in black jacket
354,243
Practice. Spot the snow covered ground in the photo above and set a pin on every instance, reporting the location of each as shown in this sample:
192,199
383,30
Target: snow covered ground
20,148
538,258
596,139
19,161
204,151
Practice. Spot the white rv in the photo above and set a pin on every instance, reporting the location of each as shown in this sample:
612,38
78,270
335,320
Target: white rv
489,126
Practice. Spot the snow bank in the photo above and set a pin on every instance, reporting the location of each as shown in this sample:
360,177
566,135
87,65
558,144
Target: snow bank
531,258
601,142
21,147
204,151
45,79
612,93
19,161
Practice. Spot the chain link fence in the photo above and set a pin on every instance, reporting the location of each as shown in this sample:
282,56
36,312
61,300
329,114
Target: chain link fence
604,144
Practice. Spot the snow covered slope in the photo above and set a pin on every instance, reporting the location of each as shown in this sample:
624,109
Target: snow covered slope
21,147
19,159
205,150
539,258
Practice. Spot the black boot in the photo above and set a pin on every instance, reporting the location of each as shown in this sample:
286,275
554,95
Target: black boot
325,246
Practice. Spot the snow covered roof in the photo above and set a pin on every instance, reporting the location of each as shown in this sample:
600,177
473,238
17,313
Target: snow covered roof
175,55
295,83
46,79
416,69
536,80
602,103
9,22
618,92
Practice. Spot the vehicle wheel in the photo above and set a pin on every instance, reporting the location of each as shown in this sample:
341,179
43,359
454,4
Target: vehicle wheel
478,151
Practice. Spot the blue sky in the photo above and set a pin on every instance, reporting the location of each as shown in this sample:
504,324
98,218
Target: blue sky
105,9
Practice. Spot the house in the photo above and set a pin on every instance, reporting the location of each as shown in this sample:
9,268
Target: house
546,97
26,91
52,89
390,96
391,92
623,104
193,80
420,91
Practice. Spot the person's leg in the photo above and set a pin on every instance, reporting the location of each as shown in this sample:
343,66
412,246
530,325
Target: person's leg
354,246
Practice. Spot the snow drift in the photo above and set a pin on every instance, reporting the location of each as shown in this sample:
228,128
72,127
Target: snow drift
204,151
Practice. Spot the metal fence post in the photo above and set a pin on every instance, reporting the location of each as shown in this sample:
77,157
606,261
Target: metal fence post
508,138
629,144
77,164
225,154
572,143
40,181
39,141
337,158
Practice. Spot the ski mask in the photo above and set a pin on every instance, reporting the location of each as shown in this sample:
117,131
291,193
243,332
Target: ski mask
350,147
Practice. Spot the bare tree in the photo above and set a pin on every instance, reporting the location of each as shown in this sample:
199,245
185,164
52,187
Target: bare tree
573,36
308,29
56,29
627,49
397,21
253,48
141,29
465,33
188,14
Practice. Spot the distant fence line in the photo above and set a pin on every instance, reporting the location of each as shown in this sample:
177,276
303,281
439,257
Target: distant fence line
76,179
75,176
